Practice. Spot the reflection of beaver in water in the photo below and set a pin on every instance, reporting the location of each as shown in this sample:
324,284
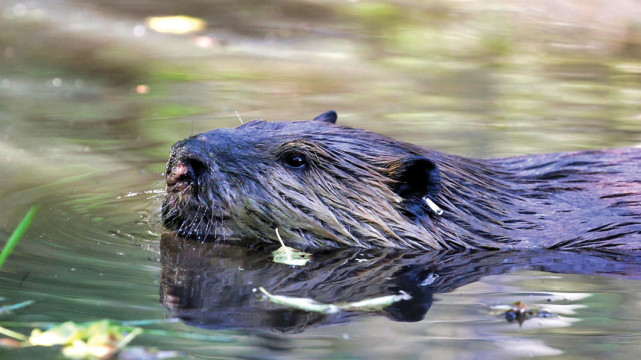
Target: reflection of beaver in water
325,185
212,285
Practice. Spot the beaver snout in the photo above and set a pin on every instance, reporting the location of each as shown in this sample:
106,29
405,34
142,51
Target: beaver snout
184,168
185,171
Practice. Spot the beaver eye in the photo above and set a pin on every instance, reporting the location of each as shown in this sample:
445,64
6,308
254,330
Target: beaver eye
296,160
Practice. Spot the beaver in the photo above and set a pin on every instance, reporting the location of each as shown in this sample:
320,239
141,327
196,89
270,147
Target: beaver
325,185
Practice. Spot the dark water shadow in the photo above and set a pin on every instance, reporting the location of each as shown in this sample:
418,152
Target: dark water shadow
214,286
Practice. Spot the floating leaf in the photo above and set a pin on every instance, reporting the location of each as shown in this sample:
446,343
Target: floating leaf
99,339
306,304
63,334
176,24
81,350
290,256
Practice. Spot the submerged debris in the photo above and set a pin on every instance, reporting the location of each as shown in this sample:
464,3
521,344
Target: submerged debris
519,312
311,305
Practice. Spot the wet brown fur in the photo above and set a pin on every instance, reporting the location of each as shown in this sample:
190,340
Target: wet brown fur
346,195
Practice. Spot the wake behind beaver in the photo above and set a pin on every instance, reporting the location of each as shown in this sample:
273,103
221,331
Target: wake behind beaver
325,185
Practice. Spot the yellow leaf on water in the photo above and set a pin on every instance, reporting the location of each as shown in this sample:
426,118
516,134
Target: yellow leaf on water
98,339
290,256
62,334
176,24
81,350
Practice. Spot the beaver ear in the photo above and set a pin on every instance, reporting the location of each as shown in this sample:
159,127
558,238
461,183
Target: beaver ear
418,180
329,116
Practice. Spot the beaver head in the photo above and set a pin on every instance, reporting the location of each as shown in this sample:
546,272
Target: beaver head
320,184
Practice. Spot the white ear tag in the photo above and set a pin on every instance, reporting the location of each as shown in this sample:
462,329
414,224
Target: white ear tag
432,205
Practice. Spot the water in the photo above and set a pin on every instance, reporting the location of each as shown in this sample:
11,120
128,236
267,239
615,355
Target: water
91,100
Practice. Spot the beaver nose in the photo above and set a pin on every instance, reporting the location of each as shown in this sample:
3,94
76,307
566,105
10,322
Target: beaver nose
184,170
184,165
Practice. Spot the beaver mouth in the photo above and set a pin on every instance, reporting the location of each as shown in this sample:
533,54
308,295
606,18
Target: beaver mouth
186,214
189,208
